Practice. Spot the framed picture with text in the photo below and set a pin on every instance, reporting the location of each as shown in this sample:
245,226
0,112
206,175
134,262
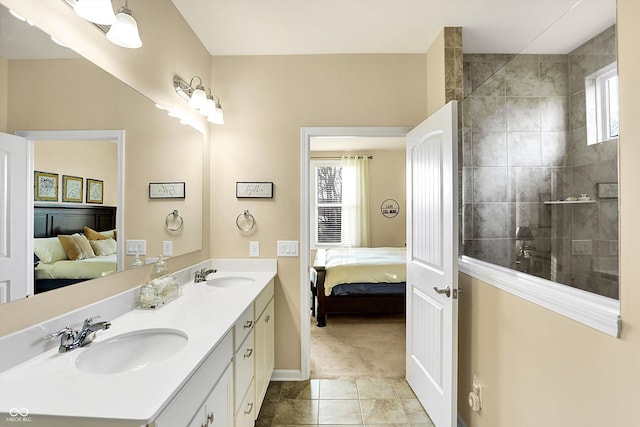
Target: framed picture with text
254,190
95,190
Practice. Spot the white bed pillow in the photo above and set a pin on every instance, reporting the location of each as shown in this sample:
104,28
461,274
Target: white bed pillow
49,249
104,247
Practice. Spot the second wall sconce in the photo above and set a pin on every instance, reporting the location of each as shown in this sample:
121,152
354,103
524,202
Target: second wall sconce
123,30
207,104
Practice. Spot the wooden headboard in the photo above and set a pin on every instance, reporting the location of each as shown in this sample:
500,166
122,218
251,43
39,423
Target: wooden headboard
50,221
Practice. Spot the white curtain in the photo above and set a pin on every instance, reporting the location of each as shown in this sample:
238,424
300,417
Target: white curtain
355,201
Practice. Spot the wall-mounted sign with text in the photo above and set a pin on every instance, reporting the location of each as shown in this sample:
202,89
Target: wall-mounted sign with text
390,208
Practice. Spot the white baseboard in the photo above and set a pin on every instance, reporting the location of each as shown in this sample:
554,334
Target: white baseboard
461,422
287,375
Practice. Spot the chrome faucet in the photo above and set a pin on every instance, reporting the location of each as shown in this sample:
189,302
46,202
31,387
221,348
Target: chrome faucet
201,275
70,339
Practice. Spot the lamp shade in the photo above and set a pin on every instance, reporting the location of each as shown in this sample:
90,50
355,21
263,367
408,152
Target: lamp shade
96,11
198,98
217,116
125,30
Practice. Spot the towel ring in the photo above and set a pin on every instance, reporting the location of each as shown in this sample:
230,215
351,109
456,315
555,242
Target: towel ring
174,221
247,220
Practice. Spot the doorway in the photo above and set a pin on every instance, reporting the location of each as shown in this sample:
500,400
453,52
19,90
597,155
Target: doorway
328,134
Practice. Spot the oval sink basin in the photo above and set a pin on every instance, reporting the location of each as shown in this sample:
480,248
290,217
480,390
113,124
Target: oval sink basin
131,351
231,281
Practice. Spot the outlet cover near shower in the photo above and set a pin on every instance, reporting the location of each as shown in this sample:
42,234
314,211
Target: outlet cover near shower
581,247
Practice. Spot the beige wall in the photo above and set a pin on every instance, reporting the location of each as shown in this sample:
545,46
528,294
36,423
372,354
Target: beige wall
84,159
540,368
386,181
436,85
267,99
150,70
4,70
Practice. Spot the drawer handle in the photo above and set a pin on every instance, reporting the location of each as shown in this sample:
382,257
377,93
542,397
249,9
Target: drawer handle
210,418
248,353
267,318
250,408
248,324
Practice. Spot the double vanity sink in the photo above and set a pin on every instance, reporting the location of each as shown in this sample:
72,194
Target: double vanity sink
131,372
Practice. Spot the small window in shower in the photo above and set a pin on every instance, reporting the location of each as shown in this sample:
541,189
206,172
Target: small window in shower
601,96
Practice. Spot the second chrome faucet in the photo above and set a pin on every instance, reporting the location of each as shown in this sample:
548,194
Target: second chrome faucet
70,339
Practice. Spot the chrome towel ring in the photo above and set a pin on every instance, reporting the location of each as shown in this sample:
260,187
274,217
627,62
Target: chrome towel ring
174,221
246,222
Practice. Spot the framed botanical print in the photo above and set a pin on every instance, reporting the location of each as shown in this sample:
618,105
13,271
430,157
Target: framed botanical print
71,189
95,190
45,186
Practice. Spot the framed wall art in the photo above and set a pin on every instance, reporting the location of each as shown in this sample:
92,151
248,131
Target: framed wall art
167,190
45,186
95,190
254,190
72,189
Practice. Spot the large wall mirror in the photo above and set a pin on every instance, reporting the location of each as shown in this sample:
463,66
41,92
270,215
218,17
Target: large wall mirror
51,88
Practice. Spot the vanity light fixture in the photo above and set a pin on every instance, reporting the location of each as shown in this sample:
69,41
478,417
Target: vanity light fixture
207,104
124,32
96,11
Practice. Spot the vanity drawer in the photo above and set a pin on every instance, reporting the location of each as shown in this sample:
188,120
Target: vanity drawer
246,414
263,299
244,368
243,326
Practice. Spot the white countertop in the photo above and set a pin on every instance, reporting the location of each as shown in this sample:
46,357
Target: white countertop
50,384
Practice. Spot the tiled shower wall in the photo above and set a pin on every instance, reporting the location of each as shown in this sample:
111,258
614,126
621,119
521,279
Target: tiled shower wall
524,143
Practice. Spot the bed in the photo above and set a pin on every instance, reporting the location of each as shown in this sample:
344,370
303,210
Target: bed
73,244
359,281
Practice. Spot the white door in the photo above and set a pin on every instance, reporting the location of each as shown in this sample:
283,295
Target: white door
16,272
432,269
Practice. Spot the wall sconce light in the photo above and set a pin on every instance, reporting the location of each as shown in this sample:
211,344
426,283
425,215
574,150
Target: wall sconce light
207,104
124,28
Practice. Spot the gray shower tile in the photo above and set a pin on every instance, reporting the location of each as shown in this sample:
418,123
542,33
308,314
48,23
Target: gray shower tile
581,153
529,184
490,184
496,251
523,114
467,186
560,183
608,151
489,148
525,149
467,147
578,110
554,76
608,216
554,113
580,66
555,148
488,113
585,221
522,76
486,79
525,215
491,220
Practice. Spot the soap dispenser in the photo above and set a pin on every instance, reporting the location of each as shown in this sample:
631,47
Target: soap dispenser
160,269
137,262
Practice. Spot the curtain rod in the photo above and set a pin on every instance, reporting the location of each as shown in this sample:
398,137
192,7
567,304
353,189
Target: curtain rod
338,158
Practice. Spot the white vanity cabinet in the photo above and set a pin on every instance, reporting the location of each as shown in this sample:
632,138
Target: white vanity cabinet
208,391
264,343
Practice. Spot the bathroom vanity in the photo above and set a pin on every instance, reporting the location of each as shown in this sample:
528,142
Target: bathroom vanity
204,359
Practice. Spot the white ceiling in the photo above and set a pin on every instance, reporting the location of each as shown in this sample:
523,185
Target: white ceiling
286,27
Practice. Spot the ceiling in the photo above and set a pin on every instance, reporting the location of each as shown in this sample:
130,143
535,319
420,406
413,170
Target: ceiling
292,27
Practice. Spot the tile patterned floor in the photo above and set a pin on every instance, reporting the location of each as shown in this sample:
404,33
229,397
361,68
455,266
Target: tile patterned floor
344,402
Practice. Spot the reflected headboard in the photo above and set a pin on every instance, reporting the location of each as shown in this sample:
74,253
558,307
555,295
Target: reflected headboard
54,220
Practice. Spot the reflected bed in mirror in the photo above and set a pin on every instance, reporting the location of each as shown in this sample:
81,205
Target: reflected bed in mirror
52,89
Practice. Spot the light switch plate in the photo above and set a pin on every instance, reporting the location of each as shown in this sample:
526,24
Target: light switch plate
288,248
167,248
136,247
254,248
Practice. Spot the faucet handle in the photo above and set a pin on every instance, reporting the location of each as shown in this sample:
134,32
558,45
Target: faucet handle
64,331
90,320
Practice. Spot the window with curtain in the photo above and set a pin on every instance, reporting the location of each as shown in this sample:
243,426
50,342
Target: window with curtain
340,214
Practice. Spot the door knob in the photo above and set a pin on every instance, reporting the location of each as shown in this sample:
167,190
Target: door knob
446,291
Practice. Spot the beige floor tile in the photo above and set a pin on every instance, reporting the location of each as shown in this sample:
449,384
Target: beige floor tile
383,411
376,389
273,391
300,389
338,389
339,411
404,390
296,411
415,412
